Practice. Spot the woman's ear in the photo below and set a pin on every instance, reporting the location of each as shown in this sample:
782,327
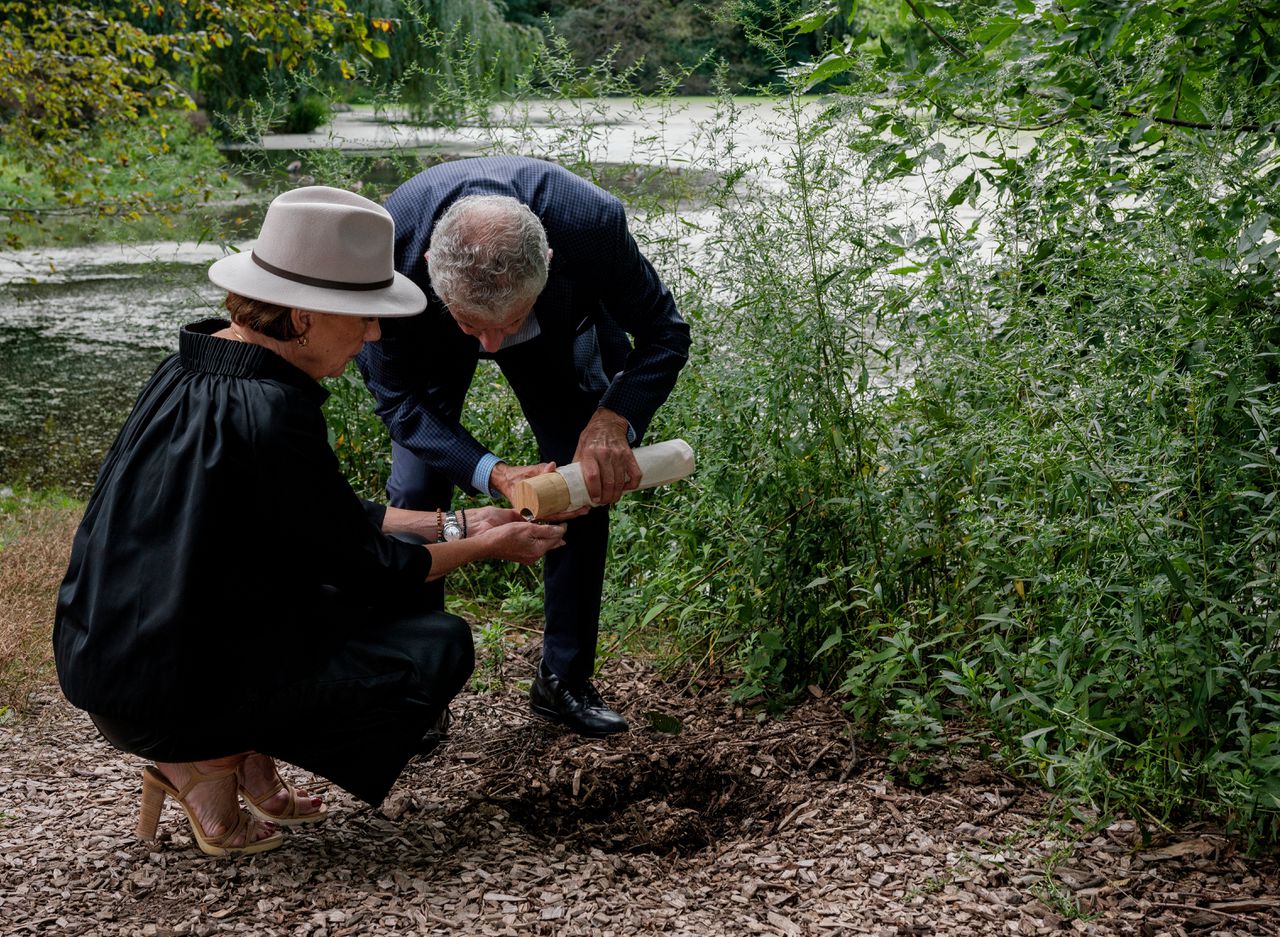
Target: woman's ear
301,321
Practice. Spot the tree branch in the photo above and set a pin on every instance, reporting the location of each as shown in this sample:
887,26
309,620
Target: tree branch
1192,124
945,40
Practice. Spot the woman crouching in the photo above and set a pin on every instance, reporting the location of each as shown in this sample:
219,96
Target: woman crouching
229,600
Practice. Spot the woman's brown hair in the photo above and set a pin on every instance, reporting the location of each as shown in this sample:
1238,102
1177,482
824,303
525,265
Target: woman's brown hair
266,318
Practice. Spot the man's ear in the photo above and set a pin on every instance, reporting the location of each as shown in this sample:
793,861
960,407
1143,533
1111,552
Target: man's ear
427,258
549,253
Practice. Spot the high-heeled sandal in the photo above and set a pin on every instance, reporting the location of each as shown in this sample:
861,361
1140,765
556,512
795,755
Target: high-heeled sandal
290,816
155,787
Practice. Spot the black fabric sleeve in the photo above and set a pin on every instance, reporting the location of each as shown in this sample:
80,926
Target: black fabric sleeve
337,540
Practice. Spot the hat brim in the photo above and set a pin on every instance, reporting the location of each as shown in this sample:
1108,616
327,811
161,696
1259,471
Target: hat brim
238,273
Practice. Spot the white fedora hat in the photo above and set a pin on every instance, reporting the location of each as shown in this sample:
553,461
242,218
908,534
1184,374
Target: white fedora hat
324,250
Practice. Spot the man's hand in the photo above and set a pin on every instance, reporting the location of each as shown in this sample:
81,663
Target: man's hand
503,478
608,466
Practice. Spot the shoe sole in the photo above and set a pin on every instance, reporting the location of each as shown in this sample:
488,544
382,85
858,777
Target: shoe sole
550,715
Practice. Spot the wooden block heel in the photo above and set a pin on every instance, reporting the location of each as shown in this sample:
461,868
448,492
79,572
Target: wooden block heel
152,804
155,788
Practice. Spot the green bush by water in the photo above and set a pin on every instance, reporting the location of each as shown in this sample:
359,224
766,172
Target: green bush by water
160,178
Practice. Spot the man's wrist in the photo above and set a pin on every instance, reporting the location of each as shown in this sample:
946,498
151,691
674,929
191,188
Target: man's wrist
618,420
482,477
499,479
605,415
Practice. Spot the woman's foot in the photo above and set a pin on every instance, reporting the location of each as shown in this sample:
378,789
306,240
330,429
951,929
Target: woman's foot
207,792
270,797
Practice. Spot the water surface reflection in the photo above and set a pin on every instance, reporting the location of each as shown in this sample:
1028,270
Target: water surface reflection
74,352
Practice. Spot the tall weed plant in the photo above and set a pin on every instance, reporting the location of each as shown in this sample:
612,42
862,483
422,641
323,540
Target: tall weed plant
985,427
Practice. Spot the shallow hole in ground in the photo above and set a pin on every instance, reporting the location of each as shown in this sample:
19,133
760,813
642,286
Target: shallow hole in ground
671,802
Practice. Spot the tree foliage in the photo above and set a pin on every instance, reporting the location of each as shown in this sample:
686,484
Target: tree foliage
1017,63
440,50
74,76
68,67
650,42
1066,527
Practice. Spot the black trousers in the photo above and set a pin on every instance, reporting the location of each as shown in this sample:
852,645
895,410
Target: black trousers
351,707
559,381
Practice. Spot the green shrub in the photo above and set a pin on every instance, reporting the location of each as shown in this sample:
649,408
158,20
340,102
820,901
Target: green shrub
159,177
985,426
305,114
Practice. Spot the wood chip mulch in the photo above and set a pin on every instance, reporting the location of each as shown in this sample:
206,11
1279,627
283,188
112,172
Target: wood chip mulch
718,824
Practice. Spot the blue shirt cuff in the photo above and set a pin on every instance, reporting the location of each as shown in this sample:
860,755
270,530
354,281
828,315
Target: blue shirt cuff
480,477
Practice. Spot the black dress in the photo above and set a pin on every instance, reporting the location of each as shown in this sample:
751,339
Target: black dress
228,592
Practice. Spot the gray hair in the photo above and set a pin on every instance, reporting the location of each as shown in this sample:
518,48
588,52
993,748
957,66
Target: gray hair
488,254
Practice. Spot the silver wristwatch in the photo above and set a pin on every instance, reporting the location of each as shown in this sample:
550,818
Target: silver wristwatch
452,529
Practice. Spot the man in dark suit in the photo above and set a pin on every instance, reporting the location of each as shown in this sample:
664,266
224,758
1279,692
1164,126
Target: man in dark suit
526,263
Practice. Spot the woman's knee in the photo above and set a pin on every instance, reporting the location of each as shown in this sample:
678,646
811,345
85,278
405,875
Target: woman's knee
453,648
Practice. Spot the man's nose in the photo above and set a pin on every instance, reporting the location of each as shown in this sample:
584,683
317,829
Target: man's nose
491,340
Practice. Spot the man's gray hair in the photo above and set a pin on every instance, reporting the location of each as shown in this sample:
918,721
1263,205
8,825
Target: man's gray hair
488,254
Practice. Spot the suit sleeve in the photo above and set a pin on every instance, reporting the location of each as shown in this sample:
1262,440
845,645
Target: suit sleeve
417,412
636,298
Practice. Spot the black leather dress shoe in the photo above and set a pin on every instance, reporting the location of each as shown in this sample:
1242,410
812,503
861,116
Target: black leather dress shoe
580,708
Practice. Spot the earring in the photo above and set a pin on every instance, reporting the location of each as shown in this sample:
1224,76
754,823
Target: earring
302,341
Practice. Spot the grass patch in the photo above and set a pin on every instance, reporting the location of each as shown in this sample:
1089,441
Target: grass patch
35,541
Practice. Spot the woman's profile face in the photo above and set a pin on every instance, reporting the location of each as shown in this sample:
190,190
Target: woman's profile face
332,341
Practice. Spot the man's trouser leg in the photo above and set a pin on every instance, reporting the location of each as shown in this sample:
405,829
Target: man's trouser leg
416,486
559,384
573,578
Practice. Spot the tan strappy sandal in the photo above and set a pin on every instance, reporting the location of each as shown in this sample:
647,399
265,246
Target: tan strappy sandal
155,787
291,816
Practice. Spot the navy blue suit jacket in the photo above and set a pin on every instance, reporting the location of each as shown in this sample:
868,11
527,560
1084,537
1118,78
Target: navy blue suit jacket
599,287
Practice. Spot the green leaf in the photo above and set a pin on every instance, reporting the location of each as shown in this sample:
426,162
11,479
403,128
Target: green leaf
379,49
832,640
1252,235
663,722
995,33
810,22
654,613
962,191
829,67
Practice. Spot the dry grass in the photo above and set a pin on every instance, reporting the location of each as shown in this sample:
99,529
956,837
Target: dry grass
35,541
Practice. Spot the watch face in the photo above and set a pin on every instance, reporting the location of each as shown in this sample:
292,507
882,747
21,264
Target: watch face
452,529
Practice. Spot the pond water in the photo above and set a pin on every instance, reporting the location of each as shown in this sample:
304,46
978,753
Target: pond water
81,329
76,346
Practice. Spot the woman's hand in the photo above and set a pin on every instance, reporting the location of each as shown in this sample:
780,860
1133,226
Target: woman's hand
521,542
478,520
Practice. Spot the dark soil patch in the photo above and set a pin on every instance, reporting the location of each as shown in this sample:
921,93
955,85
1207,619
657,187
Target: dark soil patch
678,801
